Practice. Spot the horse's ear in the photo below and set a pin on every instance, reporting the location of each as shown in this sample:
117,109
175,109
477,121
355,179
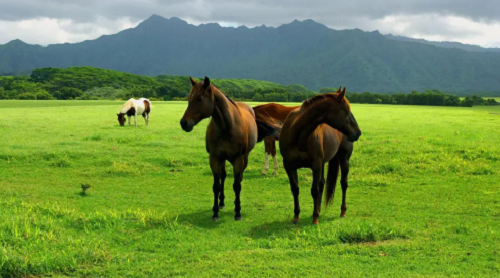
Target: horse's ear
341,95
339,90
192,81
206,82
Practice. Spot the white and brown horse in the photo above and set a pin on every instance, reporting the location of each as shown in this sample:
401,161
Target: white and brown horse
133,107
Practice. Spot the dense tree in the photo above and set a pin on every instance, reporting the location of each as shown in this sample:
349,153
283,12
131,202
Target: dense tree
68,93
43,95
27,96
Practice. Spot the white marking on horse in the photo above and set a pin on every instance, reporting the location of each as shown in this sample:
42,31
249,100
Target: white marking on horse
266,165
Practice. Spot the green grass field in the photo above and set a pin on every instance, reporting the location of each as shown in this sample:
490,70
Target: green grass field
423,200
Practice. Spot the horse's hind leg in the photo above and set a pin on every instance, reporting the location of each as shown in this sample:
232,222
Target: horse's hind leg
275,158
215,165
268,148
239,166
222,180
294,187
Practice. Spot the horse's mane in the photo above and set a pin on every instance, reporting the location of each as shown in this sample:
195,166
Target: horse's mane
309,102
193,94
128,104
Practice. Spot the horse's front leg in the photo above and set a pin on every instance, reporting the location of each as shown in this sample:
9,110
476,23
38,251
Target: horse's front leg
344,170
317,189
215,165
294,187
128,119
222,180
239,166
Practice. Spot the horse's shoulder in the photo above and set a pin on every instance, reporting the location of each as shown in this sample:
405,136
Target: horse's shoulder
243,107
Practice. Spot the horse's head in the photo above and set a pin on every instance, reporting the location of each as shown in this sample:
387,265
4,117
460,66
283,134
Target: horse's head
200,104
121,118
341,118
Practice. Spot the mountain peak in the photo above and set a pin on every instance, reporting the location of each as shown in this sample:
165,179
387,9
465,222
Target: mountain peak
17,42
157,20
307,24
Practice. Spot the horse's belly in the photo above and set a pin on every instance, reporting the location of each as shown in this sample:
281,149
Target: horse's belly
140,110
226,150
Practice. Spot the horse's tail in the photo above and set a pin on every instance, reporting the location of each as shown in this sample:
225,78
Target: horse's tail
265,129
333,173
266,126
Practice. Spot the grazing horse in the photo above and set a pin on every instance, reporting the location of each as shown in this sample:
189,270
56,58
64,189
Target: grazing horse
231,134
321,130
133,107
278,113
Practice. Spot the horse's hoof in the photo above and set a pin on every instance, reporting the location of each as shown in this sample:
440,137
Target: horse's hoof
215,219
295,220
237,218
315,222
263,173
342,216
221,207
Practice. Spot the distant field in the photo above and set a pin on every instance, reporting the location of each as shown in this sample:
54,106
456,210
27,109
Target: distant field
423,200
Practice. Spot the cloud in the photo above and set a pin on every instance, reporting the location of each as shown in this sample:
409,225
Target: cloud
55,21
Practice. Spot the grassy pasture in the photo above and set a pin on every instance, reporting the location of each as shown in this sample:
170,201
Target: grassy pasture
423,200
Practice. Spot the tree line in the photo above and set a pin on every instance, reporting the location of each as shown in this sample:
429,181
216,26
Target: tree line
87,83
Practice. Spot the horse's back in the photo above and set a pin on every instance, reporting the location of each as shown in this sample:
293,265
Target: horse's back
245,107
274,110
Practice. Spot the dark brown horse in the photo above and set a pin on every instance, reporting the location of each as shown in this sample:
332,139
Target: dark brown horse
321,130
279,113
231,134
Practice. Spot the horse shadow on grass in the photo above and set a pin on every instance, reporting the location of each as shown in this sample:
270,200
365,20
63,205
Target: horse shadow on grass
203,218
284,228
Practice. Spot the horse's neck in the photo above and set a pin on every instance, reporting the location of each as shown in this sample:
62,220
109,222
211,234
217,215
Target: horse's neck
225,113
129,104
308,120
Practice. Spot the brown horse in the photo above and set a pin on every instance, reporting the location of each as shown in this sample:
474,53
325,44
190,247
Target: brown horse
279,113
231,134
321,130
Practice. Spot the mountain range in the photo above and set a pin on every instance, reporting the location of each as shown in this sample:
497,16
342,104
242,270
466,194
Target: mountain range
301,52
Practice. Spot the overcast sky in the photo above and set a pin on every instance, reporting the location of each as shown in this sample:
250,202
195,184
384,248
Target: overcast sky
58,21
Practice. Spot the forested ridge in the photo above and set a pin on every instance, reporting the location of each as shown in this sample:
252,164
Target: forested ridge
87,83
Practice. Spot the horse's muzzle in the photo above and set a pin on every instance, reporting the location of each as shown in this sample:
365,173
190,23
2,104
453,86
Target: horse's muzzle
353,137
186,126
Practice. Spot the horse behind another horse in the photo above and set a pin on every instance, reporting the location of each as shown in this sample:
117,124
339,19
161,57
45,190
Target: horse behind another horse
278,113
133,107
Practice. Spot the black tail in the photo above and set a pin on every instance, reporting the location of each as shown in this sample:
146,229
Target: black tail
266,129
331,179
